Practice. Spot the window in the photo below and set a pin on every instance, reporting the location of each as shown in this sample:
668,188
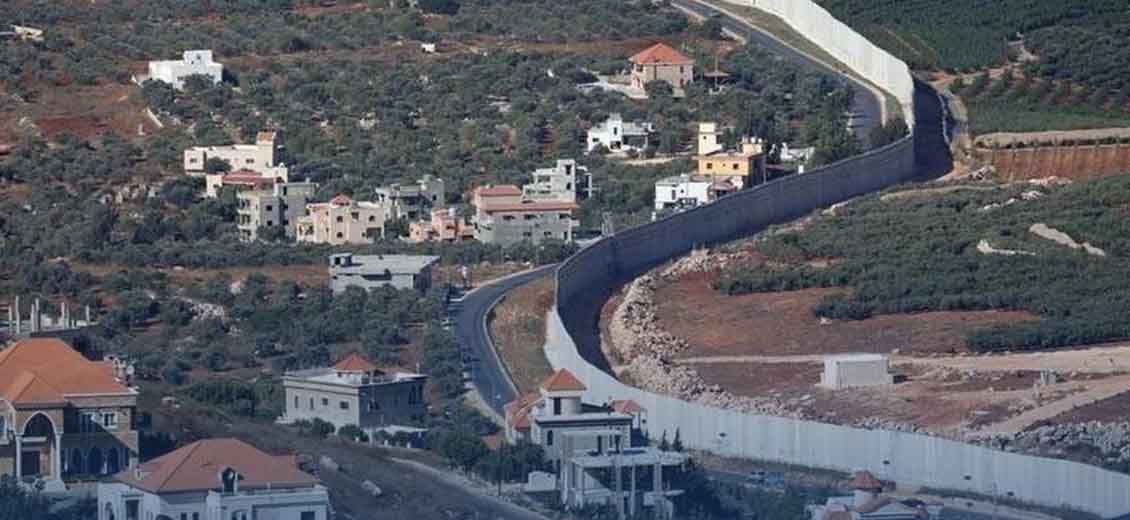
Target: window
270,223
250,161
530,217
88,422
296,402
344,405
563,216
548,234
709,166
339,235
195,516
311,403
549,438
372,218
527,234
270,207
374,405
230,479
735,166
325,402
309,515
3,426
340,219
110,420
355,215
184,516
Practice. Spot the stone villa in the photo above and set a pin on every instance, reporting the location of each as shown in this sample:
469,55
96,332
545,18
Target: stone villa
661,63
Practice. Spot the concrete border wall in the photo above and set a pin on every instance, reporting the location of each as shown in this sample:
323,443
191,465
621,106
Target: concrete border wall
585,280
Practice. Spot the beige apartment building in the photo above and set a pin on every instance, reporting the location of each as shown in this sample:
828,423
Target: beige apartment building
446,225
661,63
281,205
264,157
742,167
412,201
503,216
340,221
62,416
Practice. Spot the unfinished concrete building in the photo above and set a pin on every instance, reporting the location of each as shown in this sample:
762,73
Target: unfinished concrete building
855,370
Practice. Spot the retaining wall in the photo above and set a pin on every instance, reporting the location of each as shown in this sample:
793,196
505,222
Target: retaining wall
585,280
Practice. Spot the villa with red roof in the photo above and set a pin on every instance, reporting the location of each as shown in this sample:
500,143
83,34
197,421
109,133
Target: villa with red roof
541,210
214,479
62,416
661,63
556,409
357,392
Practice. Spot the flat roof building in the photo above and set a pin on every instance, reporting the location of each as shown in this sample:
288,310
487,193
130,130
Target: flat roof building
687,190
855,370
372,271
446,225
355,392
263,156
745,164
617,135
192,63
412,201
279,206
340,221
633,481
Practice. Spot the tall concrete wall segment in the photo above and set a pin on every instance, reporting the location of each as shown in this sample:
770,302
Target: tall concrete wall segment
585,281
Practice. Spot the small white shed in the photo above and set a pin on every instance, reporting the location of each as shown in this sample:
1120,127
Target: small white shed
855,370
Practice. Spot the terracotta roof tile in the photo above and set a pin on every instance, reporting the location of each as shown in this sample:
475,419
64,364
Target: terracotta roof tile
865,481
627,406
563,381
341,200
518,410
660,53
47,368
355,363
498,191
530,206
197,466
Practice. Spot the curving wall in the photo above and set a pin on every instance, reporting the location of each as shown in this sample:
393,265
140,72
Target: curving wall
585,280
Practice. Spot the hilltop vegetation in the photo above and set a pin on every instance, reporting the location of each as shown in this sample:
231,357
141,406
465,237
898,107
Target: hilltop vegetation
919,252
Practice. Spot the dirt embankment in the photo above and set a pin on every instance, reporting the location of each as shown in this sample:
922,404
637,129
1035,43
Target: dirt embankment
517,327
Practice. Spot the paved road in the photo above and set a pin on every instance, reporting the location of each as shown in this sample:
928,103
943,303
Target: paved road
866,111
488,374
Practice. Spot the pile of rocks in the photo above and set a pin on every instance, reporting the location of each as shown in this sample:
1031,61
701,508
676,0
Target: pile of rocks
1104,443
635,328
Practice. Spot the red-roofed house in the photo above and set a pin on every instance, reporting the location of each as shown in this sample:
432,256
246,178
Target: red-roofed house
868,503
214,479
543,417
62,415
340,221
661,63
541,210
355,391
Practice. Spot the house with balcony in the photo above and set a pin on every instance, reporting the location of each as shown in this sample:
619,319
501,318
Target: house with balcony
341,221
62,416
263,156
356,392
617,135
214,479
541,210
599,467
281,205
412,201
446,226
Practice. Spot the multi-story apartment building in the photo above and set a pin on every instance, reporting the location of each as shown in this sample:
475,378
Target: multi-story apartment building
617,135
559,183
412,201
192,63
62,416
279,206
504,216
371,271
446,225
241,180
342,220
355,392
214,479
264,157
661,63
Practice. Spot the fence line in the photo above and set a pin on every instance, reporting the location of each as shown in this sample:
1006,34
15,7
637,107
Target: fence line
584,280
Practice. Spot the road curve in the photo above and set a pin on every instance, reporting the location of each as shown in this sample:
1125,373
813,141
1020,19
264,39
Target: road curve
488,374
866,110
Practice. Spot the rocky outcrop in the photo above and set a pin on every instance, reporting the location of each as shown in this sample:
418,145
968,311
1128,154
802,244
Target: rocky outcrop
1101,443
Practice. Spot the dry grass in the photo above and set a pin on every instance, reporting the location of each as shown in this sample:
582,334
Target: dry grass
517,327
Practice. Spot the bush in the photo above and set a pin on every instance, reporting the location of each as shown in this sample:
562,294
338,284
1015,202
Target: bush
353,433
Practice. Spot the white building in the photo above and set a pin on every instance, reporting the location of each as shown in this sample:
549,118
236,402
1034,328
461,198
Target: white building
412,201
559,183
616,135
214,479
280,205
630,480
868,503
191,63
355,392
855,370
371,271
543,417
688,190
263,157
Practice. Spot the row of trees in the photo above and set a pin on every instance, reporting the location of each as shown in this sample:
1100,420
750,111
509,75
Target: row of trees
918,254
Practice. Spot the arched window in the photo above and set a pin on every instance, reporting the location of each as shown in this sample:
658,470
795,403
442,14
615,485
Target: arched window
113,461
94,462
76,461
39,426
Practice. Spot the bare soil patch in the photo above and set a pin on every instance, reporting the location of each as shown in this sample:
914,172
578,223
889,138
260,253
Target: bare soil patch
517,327
1112,409
756,379
783,324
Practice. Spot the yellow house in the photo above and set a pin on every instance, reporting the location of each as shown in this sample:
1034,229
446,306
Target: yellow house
747,162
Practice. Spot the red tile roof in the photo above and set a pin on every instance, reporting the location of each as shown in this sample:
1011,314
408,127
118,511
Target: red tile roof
865,481
563,381
197,467
246,177
660,54
341,200
627,406
355,363
498,191
530,206
46,370
518,410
